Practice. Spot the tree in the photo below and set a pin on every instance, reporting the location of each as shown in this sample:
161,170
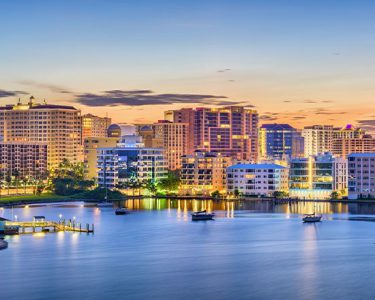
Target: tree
279,194
335,195
216,194
236,193
8,180
151,186
170,183
68,178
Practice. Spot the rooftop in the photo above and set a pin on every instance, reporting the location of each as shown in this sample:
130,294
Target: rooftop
256,166
277,126
362,155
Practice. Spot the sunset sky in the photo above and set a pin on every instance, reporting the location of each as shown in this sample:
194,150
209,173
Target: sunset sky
301,62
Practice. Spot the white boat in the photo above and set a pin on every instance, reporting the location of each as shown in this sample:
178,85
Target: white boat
202,215
121,211
311,218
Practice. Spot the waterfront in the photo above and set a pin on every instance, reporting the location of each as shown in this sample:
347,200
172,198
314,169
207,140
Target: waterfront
253,250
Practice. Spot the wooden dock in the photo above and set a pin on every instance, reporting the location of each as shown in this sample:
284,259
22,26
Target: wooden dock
51,226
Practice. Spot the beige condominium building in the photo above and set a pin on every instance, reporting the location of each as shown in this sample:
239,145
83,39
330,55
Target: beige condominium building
57,126
203,173
173,138
94,126
91,145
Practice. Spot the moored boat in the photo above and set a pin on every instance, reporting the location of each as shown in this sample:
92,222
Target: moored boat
202,215
121,211
311,218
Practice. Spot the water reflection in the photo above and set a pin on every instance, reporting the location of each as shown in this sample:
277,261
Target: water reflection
230,206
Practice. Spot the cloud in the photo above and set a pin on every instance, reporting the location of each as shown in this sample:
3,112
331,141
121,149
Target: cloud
4,93
323,111
267,118
53,88
368,125
224,70
308,101
148,97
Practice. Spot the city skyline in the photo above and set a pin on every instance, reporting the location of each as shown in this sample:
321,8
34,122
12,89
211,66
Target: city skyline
136,60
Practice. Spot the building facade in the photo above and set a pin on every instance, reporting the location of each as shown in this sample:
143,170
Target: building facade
317,139
23,160
317,177
173,138
231,131
57,126
117,165
94,126
91,145
361,175
203,173
257,179
279,141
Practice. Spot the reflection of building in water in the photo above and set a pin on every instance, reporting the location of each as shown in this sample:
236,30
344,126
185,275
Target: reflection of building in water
229,207
316,177
309,207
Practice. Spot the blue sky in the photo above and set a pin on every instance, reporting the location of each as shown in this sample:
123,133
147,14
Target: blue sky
318,55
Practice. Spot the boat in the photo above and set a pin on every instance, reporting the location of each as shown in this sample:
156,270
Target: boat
121,211
311,218
202,215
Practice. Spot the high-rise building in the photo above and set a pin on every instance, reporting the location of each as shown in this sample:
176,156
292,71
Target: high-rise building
361,175
350,140
232,130
316,177
345,146
187,116
26,160
203,173
147,132
118,165
173,138
257,179
94,126
317,139
279,141
91,145
57,126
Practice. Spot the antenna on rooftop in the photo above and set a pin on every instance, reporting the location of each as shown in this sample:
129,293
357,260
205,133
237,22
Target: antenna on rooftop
31,100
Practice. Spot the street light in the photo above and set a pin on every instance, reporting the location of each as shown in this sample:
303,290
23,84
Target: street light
15,217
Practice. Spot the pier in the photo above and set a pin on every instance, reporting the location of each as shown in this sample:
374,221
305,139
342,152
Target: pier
49,226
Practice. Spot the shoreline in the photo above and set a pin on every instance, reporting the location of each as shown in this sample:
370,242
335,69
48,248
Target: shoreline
57,199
